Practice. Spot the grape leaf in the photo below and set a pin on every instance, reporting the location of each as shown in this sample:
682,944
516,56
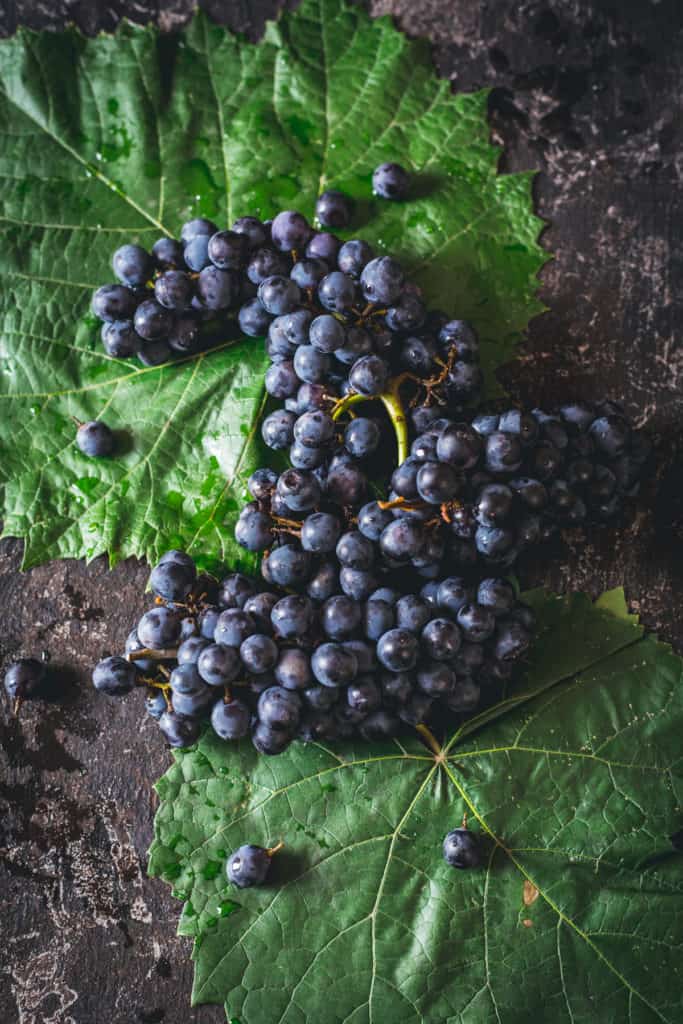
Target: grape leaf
574,784
122,138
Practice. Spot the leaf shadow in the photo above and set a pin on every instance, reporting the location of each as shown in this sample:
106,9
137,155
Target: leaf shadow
423,185
666,857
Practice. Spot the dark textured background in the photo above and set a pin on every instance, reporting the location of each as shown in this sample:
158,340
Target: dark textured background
587,92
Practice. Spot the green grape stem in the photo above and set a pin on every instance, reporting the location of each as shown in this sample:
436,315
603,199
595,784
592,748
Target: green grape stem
165,654
430,740
391,399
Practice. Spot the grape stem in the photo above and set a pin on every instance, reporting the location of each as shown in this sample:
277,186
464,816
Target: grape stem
164,687
391,400
446,512
148,681
16,707
431,383
291,525
400,502
272,850
430,739
190,605
163,654
342,405
445,509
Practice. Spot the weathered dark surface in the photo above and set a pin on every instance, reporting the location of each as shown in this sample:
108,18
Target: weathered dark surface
588,93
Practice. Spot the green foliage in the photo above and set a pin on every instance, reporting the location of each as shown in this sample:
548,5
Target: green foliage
575,787
122,138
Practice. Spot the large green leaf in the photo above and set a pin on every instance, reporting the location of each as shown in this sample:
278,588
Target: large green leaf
576,786
122,138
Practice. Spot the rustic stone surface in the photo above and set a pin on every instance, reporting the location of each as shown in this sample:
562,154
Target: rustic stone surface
588,93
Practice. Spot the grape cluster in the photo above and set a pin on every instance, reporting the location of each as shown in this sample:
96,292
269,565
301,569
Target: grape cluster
338,319
334,312
372,614
351,329
341,324
487,489
171,301
279,666
317,422
472,495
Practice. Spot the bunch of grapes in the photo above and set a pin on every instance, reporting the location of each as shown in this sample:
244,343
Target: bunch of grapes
487,489
471,495
435,362
170,302
333,312
279,666
355,331
378,611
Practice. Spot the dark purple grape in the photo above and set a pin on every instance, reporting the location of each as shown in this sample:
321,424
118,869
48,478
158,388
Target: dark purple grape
337,292
228,250
279,294
200,227
113,302
254,319
324,246
290,231
132,265
309,272
382,280
390,181
173,289
168,254
266,263
353,256
398,650
253,229
333,209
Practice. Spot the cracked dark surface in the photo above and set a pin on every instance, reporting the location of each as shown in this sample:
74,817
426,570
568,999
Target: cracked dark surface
587,92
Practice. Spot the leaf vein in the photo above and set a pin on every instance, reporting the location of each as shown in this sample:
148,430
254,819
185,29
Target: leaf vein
551,903
283,888
95,172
